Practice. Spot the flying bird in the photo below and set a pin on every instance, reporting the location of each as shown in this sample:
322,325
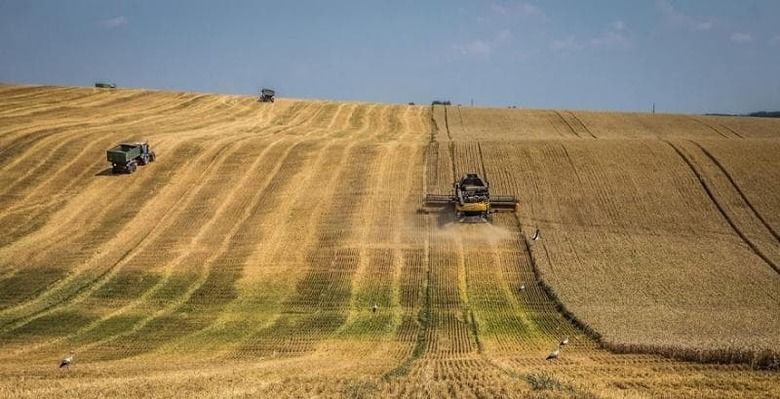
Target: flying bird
67,361
554,354
565,341
537,235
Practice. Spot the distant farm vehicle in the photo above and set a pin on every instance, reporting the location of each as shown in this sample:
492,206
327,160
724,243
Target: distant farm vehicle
441,102
105,85
472,200
267,96
125,158
411,102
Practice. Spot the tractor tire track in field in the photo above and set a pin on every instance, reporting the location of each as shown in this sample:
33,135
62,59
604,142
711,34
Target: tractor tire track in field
713,127
688,159
575,124
566,122
738,190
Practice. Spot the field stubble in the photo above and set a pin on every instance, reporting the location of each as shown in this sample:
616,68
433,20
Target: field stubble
246,260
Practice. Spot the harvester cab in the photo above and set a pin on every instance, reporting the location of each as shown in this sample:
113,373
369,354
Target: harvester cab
267,96
471,200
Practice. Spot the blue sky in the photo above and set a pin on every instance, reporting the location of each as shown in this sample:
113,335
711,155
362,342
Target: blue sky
686,56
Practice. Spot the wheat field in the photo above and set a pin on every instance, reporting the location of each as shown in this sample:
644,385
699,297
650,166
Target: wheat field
245,261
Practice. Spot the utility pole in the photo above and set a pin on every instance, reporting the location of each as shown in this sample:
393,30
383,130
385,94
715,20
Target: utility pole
472,102
653,108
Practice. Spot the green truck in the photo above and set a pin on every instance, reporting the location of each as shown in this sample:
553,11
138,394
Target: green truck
105,85
125,158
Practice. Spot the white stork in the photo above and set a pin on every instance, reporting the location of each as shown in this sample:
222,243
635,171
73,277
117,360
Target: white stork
374,308
67,361
554,354
537,235
565,341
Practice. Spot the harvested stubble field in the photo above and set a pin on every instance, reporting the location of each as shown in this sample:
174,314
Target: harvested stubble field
245,261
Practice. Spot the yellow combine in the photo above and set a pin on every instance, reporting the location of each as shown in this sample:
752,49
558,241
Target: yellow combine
472,200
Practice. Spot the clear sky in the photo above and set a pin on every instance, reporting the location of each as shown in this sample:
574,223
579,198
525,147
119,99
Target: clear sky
686,56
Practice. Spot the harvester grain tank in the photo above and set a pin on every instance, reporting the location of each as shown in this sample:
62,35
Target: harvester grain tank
125,158
471,199
267,95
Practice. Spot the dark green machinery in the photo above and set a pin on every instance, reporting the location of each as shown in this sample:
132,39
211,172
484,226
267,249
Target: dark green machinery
105,85
125,158
267,96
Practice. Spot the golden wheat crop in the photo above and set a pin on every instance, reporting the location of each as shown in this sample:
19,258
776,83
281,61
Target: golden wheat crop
246,260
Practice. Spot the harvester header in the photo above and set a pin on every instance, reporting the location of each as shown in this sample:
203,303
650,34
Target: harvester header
471,199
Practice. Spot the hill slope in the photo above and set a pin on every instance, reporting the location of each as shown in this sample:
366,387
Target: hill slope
257,243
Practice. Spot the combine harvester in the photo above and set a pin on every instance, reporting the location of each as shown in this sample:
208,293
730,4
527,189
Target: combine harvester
472,200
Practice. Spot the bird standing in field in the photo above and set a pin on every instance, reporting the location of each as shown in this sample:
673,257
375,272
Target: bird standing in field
67,361
565,341
374,308
522,287
537,235
554,354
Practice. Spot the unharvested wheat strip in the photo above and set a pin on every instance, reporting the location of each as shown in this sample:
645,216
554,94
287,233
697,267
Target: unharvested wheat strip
741,216
64,289
739,191
171,305
714,120
711,127
568,124
578,122
752,174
